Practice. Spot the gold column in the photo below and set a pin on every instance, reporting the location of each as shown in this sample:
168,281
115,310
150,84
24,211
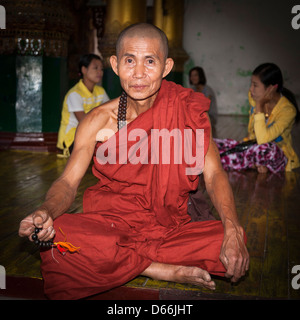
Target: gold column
158,14
119,15
168,15
126,12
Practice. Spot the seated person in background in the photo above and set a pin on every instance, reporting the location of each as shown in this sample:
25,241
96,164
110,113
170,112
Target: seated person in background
197,79
135,219
79,100
273,112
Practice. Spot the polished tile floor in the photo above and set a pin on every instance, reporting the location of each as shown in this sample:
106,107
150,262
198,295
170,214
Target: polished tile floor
267,206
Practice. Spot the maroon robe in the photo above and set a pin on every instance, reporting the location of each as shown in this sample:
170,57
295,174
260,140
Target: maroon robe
137,212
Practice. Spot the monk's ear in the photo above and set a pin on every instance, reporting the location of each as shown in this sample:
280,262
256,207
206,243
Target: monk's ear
168,66
114,64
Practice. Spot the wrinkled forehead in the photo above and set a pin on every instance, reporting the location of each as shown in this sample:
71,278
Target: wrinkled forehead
132,43
137,37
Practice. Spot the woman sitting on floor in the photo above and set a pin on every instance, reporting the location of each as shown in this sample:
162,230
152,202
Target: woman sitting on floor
82,98
197,80
273,112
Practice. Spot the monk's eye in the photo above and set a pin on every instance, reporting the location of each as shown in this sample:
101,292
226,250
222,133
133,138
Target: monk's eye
150,62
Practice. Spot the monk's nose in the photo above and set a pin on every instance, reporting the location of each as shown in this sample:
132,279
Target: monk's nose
139,71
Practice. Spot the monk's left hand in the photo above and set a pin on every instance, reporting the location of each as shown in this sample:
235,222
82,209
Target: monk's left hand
234,254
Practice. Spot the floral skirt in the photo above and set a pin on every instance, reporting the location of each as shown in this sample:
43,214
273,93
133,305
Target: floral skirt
268,155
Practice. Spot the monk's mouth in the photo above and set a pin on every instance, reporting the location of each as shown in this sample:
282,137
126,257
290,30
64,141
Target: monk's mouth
139,87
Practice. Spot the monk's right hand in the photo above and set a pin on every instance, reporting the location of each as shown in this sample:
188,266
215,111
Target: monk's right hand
38,219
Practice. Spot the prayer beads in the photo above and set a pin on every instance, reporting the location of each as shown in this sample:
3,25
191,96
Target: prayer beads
122,110
41,244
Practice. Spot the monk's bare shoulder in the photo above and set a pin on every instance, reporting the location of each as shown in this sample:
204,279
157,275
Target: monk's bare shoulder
101,119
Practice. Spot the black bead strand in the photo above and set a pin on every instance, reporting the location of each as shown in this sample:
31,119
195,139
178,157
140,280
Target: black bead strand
42,244
122,110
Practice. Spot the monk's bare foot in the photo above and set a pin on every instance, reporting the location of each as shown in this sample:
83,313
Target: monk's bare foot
180,274
262,169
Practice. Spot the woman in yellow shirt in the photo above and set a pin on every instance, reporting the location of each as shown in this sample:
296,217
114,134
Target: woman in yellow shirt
79,100
273,112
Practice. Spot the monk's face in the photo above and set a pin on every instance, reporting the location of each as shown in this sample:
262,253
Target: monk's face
141,65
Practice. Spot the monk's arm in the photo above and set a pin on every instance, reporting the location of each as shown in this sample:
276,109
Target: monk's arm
234,254
218,187
62,192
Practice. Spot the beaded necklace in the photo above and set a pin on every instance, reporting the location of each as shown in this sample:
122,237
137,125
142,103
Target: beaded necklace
122,109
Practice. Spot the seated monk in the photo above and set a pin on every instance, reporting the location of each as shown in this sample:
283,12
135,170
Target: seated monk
135,219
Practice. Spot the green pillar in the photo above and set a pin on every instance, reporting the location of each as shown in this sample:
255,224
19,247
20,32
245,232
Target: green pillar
33,53
55,86
8,81
111,83
28,106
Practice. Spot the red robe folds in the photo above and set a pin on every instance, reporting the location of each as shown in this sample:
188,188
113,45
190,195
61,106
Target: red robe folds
137,212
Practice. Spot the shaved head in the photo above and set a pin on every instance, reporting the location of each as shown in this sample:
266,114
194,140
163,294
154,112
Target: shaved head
143,30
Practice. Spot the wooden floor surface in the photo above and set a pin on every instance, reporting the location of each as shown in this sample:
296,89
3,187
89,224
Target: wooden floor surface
267,206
